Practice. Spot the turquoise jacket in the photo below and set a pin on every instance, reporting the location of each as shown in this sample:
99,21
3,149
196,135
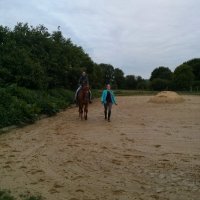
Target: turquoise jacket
104,94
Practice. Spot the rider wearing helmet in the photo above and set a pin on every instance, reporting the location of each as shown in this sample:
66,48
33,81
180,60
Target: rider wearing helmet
83,80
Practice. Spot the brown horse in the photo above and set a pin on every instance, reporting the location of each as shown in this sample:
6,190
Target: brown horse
83,101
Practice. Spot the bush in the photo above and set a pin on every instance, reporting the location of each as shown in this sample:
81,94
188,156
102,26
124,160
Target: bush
14,111
63,98
29,96
20,105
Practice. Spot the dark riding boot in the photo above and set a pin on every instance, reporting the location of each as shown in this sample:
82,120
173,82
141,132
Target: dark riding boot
76,101
76,98
109,114
105,113
90,98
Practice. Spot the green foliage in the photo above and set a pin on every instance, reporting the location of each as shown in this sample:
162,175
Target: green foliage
107,71
28,196
143,85
6,195
133,92
160,84
20,105
161,73
119,78
196,86
161,79
33,58
97,77
130,82
183,77
195,64
33,198
14,110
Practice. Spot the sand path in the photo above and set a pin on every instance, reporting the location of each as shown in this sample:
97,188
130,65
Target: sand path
148,152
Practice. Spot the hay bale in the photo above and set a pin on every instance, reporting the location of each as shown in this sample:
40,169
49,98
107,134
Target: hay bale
166,97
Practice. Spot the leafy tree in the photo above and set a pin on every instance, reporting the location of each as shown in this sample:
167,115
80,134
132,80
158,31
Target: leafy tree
130,82
161,78
33,58
97,77
161,73
183,77
142,84
195,64
119,78
108,73
160,84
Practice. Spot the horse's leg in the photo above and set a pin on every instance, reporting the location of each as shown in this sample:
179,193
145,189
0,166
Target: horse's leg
85,111
81,111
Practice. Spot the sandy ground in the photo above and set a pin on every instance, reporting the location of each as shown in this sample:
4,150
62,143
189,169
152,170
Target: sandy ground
147,152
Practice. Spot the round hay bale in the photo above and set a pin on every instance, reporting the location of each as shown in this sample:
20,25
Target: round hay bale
166,97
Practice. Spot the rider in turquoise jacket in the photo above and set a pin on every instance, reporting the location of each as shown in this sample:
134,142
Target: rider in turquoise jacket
108,99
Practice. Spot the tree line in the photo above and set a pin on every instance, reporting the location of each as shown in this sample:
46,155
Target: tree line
33,58
186,77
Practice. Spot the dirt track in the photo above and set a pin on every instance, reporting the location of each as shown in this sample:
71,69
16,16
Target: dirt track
148,152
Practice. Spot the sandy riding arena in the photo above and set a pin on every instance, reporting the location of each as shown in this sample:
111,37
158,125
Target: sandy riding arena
148,151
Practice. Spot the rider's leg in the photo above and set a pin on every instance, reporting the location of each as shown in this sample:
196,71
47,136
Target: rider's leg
109,110
76,94
105,110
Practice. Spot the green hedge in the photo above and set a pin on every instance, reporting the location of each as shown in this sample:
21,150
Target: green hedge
20,105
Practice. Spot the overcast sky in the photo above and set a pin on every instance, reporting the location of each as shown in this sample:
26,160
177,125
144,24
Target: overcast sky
134,35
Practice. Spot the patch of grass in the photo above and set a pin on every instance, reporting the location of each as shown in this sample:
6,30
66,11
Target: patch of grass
133,92
97,93
30,197
6,195
146,92
34,198
188,93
